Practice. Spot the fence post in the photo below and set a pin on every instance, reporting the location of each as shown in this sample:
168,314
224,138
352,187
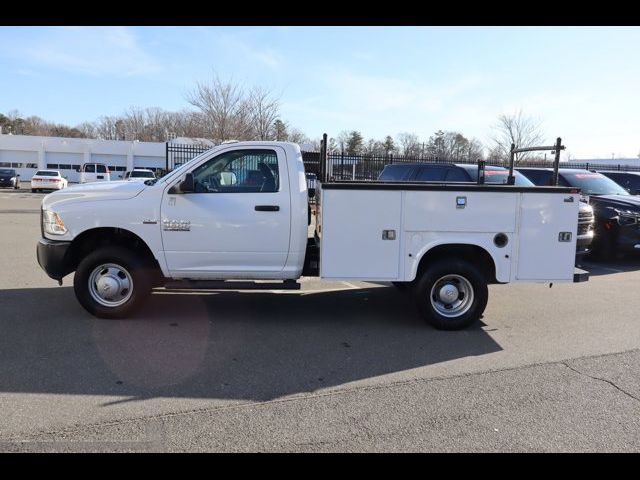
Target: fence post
511,179
166,154
342,164
556,161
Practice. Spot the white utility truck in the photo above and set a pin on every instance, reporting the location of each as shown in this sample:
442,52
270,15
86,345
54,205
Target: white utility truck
237,217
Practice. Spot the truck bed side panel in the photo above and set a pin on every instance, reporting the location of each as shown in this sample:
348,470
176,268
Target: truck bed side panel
352,224
541,254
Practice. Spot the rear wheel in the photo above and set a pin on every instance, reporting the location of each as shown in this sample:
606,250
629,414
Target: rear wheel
111,282
451,294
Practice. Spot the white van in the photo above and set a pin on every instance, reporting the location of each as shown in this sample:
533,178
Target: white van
94,172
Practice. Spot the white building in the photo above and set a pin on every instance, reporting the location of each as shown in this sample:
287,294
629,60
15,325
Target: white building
28,153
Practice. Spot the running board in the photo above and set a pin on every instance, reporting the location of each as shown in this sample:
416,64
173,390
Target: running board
230,285
580,275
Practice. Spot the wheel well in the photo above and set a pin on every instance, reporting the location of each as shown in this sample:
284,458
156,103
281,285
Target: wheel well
90,240
470,253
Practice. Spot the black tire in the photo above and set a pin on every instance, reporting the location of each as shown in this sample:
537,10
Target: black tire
403,286
475,281
141,277
604,248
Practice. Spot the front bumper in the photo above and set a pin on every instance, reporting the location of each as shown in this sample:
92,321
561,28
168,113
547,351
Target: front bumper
52,257
47,185
583,243
628,239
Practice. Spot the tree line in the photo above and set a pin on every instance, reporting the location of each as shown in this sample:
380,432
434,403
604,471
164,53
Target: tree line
224,110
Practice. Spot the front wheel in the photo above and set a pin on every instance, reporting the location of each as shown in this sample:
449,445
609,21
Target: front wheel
451,294
111,282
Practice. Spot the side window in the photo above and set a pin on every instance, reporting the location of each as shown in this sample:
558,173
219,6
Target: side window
101,169
430,174
457,175
90,169
561,181
537,177
633,182
239,171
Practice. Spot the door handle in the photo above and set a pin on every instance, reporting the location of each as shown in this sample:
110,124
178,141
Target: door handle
267,208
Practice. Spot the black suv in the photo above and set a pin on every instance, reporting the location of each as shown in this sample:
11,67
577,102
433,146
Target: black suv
617,213
630,181
9,178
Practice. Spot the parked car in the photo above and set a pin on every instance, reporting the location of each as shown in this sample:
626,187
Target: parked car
417,172
48,180
139,175
617,213
94,172
312,180
630,181
446,172
9,178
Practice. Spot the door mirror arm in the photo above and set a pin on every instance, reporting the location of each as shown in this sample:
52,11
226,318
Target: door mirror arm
185,186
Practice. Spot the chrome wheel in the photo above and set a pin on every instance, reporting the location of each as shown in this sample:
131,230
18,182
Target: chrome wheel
452,295
110,285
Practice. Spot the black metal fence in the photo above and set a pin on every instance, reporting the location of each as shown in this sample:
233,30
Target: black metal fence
342,166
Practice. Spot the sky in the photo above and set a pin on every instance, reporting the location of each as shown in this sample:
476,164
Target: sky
581,83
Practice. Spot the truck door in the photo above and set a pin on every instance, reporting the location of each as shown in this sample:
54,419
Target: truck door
237,220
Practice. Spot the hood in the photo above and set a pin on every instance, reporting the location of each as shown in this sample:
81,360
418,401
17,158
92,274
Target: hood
89,192
627,202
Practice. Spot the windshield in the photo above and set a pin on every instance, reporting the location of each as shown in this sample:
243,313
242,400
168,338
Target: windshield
142,174
4,171
592,183
43,173
501,176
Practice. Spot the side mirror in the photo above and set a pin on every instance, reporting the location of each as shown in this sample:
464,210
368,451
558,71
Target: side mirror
77,170
187,185
18,175
119,176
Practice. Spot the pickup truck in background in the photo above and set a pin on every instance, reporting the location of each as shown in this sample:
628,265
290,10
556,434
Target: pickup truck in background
236,217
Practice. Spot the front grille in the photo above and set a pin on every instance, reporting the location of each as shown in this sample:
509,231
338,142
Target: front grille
583,228
585,217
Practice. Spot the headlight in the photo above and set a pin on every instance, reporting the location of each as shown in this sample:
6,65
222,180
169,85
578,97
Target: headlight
627,217
52,223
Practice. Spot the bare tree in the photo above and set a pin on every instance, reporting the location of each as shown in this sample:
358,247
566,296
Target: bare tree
263,112
225,109
88,130
518,129
409,144
297,136
106,128
476,150
342,139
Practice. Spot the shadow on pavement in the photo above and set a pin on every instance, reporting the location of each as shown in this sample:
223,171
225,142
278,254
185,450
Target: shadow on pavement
596,267
228,345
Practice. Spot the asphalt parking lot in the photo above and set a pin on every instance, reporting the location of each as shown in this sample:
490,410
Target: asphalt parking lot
338,366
